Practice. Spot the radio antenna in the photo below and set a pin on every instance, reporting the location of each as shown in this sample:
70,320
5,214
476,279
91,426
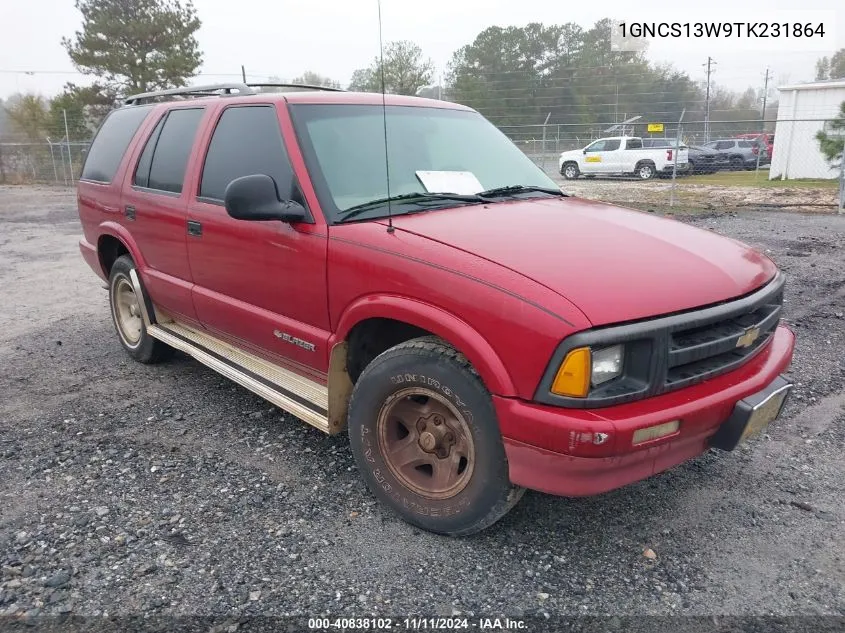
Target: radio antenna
384,120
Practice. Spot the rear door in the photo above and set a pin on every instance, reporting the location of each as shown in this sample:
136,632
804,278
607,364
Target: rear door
155,206
631,154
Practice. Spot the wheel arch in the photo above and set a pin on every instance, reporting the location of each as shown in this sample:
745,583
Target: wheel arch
434,320
112,242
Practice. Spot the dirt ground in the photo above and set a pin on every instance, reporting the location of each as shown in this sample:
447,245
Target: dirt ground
167,490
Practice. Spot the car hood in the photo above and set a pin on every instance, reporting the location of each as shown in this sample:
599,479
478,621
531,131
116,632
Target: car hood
571,153
615,264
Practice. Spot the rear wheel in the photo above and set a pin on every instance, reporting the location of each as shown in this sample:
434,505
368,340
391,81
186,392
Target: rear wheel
570,171
645,171
127,317
424,434
736,163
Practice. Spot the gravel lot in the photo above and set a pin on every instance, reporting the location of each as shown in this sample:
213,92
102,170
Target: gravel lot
130,489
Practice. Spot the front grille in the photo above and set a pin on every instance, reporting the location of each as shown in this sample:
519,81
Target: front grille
702,351
674,351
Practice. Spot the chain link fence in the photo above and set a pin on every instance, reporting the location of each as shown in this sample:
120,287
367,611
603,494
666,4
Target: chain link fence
47,162
748,163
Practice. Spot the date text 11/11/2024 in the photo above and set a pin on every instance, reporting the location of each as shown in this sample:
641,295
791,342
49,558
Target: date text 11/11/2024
416,624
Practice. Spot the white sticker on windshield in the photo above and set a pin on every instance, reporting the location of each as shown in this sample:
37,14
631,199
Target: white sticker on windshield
460,182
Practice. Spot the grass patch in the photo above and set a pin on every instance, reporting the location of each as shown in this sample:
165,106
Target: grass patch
761,179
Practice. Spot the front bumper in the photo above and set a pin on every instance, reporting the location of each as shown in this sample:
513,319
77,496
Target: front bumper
580,452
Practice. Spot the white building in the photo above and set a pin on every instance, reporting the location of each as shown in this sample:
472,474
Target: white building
803,110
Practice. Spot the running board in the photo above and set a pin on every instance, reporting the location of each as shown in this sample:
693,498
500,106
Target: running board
291,392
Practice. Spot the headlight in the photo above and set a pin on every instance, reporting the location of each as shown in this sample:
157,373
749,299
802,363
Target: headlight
607,365
584,367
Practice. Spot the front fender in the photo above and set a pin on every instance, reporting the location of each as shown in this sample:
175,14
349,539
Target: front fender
437,321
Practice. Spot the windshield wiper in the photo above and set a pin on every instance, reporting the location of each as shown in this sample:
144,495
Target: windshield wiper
504,191
416,198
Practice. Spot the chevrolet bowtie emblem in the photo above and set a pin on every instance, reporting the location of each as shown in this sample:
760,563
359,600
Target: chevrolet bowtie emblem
748,338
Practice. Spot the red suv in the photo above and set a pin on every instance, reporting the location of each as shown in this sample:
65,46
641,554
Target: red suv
404,271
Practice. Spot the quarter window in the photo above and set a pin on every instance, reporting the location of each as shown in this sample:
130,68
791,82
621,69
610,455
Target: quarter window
111,141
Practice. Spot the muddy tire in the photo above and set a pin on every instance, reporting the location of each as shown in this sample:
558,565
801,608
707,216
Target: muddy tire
125,307
424,434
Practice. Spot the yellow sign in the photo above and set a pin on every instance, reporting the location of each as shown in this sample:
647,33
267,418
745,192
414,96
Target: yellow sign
592,159
655,127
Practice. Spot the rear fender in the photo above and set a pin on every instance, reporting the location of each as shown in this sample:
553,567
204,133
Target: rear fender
115,230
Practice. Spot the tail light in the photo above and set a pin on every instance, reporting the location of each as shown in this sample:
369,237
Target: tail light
668,154
755,150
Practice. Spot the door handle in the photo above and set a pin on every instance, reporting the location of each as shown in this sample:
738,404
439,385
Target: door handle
129,211
194,228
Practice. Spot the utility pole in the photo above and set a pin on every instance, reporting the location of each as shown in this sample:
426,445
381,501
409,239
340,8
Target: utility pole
760,143
765,95
707,100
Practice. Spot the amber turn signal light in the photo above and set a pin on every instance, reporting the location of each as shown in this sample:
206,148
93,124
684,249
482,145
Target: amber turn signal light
573,377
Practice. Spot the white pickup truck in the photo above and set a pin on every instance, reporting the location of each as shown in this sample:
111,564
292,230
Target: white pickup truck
620,155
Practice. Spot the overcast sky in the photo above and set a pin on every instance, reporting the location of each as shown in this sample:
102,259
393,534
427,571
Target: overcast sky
286,37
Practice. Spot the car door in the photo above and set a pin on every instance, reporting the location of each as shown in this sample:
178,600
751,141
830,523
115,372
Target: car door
595,159
259,284
155,207
629,156
724,148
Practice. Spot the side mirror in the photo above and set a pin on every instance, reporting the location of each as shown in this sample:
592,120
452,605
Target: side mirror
256,197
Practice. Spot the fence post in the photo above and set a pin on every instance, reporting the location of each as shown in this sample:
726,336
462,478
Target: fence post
53,161
67,138
543,159
842,182
675,163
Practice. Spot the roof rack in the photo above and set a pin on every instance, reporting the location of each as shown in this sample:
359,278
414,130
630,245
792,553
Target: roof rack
222,90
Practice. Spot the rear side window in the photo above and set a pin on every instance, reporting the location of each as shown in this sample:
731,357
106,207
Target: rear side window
142,171
744,143
634,143
165,157
111,142
246,141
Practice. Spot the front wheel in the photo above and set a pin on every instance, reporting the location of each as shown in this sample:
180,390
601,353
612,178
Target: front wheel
570,171
424,434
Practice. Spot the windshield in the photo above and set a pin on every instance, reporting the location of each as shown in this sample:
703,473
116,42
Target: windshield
343,147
